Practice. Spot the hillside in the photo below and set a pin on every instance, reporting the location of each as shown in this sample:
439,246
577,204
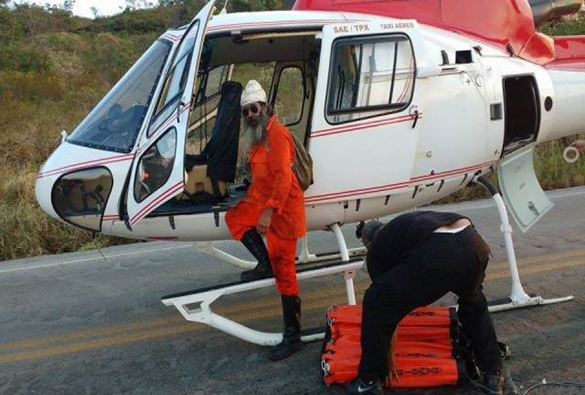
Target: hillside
55,67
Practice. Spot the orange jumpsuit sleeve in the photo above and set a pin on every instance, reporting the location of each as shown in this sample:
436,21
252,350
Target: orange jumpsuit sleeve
279,161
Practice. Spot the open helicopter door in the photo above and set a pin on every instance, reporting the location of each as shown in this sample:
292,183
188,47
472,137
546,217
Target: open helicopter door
366,113
158,168
521,190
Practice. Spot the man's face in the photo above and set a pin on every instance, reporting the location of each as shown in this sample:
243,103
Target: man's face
252,113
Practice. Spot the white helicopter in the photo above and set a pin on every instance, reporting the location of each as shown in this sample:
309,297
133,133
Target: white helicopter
399,103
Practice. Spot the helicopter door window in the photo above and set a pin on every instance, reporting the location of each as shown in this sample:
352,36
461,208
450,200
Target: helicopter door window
175,82
172,92
370,77
177,79
155,166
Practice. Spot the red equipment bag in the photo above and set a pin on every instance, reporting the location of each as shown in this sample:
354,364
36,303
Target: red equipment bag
427,352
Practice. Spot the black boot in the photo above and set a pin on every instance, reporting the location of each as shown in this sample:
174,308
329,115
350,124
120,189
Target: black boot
291,338
254,243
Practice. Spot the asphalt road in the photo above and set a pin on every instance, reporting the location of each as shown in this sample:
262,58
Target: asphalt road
79,324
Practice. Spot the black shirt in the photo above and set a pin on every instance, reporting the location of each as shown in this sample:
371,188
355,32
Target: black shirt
403,234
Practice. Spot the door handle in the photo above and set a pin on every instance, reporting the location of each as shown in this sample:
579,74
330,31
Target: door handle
414,112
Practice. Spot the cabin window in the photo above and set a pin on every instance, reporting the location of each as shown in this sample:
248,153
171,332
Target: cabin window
155,166
289,96
370,76
80,197
203,113
208,85
262,72
114,123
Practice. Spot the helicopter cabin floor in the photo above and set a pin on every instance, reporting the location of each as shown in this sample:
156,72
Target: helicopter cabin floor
203,202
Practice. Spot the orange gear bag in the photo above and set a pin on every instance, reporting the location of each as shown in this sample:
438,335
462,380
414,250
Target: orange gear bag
426,352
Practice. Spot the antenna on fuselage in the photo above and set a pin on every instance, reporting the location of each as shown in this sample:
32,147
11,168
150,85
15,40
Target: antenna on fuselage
93,239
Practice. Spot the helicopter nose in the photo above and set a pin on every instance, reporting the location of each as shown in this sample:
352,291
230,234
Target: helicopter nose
43,194
74,191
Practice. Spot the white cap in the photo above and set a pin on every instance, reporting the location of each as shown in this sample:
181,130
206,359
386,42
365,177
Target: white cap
253,93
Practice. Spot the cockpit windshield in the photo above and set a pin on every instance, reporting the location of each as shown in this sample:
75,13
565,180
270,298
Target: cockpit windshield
114,123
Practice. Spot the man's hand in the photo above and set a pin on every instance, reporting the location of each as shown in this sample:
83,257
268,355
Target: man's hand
264,221
580,145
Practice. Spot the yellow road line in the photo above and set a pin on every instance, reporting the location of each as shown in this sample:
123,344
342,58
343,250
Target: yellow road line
544,258
536,269
133,326
255,310
146,335
254,307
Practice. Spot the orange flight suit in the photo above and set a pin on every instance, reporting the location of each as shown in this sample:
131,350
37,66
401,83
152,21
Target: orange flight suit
274,185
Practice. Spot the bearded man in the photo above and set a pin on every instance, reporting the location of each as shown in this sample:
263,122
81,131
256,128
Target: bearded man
273,207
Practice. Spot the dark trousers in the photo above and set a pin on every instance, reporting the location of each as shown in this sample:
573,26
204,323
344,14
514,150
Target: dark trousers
444,262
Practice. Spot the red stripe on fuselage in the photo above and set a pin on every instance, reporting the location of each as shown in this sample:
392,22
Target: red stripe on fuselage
362,126
86,164
398,185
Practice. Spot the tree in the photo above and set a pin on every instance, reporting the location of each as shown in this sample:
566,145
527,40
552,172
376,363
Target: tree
68,6
31,16
169,3
138,4
9,24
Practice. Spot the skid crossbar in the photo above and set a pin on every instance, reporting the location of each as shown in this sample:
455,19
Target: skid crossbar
305,257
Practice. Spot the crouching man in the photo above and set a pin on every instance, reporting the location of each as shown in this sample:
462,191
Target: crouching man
413,261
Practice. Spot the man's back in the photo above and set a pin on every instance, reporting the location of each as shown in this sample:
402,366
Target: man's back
401,235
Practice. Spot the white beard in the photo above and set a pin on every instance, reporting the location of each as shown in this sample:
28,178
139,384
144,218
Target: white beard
252,135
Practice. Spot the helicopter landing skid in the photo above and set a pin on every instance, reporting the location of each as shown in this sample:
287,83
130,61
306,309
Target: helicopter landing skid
195,306
518,298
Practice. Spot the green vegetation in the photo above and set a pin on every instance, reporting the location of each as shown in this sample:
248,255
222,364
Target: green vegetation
568,26
55,67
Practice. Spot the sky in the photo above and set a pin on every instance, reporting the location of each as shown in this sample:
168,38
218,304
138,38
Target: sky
83,7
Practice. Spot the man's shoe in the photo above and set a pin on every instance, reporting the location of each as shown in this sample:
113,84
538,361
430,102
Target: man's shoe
493,384
359,387
291,337
285,349
258,273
